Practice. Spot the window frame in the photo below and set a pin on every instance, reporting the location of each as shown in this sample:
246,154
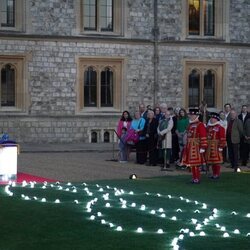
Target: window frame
218,67
18,62
19,17
100,64
118,17
221,15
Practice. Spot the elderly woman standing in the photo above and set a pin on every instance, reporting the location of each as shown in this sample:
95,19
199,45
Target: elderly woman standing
138,124
165,138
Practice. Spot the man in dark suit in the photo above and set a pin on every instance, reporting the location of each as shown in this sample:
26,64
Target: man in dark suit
227,110
233,135
247,137
243,116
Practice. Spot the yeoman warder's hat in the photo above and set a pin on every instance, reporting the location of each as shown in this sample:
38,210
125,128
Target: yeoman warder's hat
193,111
214,115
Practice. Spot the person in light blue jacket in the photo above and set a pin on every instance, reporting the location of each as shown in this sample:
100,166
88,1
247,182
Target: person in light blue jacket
138,124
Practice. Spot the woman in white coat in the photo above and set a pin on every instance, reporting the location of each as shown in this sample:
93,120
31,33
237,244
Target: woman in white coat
165,138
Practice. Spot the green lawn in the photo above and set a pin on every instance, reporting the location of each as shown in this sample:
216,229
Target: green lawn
33,224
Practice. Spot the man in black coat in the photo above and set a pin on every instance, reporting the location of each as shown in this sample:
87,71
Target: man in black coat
243,116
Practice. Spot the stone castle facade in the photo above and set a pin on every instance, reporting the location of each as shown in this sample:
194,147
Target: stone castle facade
149,53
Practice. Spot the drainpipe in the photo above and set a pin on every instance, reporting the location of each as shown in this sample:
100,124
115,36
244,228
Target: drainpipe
156,52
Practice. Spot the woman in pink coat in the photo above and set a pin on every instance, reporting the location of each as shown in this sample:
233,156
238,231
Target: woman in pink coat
124,122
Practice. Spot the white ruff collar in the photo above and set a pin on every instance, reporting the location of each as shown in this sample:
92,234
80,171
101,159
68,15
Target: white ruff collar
195,120
213,124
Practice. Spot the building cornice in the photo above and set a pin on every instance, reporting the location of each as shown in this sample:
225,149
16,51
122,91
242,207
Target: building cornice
121,40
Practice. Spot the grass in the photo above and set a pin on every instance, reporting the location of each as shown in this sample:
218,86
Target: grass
32,224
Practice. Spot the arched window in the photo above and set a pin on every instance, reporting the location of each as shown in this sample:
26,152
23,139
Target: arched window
204,81
209,88
99,84
90,87
106,137
107,88
8,89
94,137
194,89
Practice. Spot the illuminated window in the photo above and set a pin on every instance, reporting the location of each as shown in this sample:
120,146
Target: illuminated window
205,18
204,82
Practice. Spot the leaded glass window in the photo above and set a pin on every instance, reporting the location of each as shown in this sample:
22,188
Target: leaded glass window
194,89
201,17
90,15
209,88
7,8
107,88
98,15
8,90
90,88
106,15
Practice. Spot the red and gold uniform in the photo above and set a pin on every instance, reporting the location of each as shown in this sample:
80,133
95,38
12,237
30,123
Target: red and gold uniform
193,154
216,142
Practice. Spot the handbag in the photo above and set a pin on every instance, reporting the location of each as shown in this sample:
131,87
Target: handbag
131,137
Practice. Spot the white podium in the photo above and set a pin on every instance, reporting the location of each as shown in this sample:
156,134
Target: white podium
8,162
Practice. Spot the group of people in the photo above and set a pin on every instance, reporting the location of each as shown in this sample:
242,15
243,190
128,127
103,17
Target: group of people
165,135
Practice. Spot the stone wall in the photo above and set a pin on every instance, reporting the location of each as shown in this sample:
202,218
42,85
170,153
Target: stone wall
57,129
236,85
58,17
239,19
52,17
52,65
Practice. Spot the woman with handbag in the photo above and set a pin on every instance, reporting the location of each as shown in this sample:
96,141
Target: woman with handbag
124,122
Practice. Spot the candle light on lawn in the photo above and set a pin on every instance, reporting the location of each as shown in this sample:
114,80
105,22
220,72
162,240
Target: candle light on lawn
92,217
133,204
236,231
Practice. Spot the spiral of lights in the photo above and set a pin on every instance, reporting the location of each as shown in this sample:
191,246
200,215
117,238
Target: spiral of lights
97,200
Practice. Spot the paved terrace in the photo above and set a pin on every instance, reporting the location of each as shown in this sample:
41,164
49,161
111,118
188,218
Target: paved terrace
83,162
